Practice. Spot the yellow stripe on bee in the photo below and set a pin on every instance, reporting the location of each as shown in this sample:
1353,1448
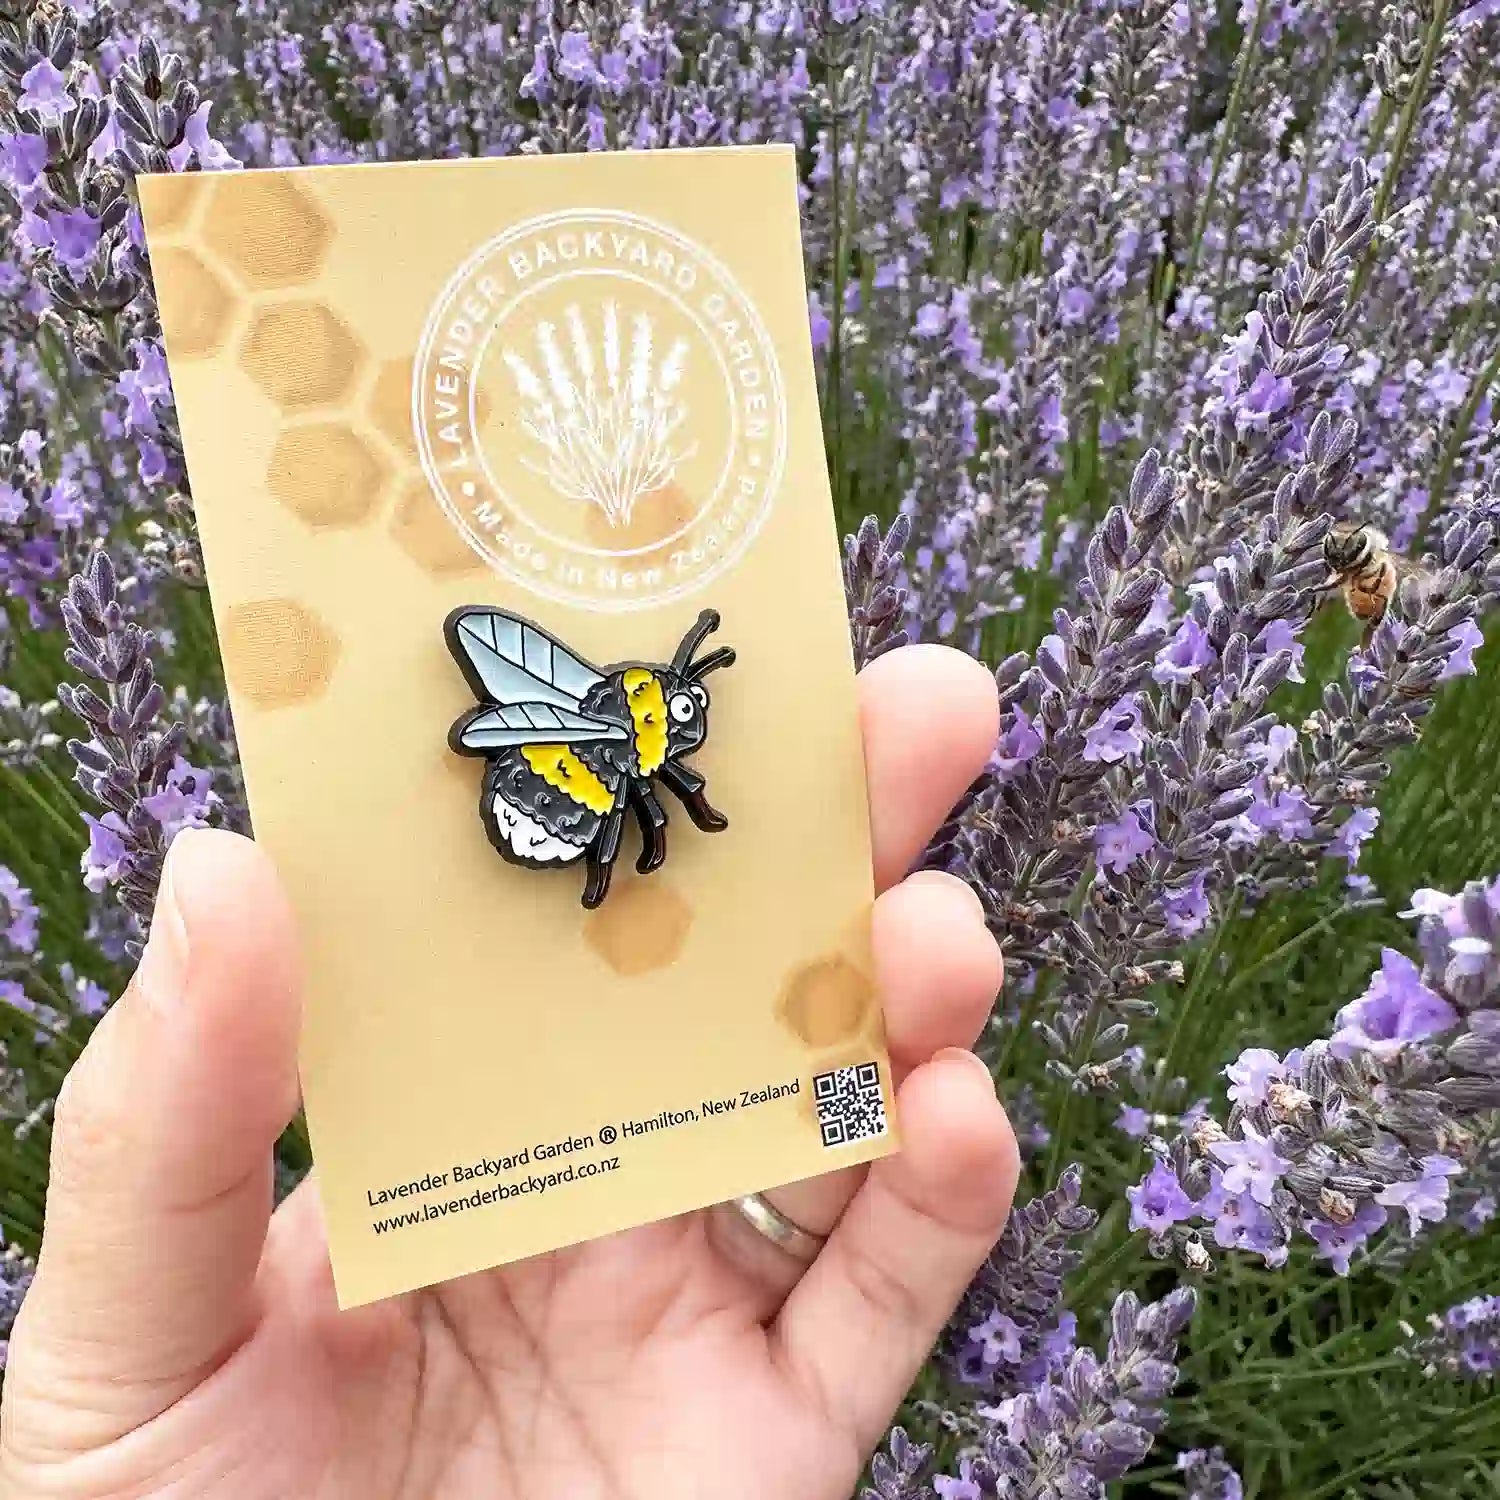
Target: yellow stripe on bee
648,710
560,768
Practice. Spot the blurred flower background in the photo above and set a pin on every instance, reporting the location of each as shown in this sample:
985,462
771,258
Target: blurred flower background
1123,309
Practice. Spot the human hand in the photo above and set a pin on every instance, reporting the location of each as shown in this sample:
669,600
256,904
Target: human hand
179,1340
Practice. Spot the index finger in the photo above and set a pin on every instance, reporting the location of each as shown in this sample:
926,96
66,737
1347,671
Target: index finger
930,716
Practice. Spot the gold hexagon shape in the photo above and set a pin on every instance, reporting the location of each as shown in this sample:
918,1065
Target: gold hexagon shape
300,355
658,516
197,308
390,405
326,474
170,199
826,1001
641,927
277,652
266,230
422,530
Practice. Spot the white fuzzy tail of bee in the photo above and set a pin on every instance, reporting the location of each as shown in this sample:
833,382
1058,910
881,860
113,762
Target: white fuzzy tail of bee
608,416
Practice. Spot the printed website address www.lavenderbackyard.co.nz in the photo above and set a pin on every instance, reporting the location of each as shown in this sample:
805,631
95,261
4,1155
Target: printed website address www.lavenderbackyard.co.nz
483,1197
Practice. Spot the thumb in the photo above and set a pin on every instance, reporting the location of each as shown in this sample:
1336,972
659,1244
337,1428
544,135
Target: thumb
161,1182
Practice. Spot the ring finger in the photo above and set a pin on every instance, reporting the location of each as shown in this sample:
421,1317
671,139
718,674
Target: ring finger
929,718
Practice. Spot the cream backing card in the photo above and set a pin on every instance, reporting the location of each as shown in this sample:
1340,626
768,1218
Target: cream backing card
580,389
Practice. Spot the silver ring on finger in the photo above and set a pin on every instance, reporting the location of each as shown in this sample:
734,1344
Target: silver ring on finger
767,1220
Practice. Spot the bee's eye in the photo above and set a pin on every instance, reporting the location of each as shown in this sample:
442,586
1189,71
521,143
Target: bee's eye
682,708
701,694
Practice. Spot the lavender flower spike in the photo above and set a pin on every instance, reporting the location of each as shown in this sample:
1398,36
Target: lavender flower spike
1464,1343
873,569
1096,1420
1011,1329
16,1271
1209,1475
127,760
1369,1132
901,1473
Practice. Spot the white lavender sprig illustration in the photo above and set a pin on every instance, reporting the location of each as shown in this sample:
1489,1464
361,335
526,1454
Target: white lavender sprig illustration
610,423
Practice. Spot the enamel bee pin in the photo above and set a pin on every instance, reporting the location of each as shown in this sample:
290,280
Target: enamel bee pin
569,747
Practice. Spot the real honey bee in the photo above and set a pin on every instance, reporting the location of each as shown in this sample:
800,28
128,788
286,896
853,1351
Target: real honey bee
1365,570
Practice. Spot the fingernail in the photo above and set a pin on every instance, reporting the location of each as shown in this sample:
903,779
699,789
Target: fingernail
971,1059
162,972
944,880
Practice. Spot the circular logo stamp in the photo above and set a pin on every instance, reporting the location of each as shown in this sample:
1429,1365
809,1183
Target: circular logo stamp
599,410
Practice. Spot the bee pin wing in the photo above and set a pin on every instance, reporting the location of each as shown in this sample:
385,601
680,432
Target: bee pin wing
509,660
530,685
486,730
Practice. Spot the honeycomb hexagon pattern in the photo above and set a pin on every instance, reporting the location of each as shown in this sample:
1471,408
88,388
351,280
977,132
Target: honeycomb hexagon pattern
641,927
428,537
267,231
277,652
390,405
202,316
826,1002
657,515
300,355
174,198
327,474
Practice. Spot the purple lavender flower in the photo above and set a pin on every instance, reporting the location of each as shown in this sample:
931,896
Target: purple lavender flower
962,1486
23,159
1181,659
45,93
1464,1343
18,915
899,1471
185,800
1386,1117
72,234
1425,1200
1122,842
16,1272
1019,743
107,857
1117,735
873,565
1396,1009
1338,1242
1185,908
1158,1201
1010,1330
1097,1418
1466,638
1209,1475
1267,395
1256,1069
1354,832
1251,1165
1240,1223
998,1340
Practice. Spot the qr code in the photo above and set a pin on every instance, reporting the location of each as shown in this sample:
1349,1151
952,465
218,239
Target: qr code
851,1106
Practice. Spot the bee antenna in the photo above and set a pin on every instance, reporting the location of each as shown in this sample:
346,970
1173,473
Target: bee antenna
723,657
706,624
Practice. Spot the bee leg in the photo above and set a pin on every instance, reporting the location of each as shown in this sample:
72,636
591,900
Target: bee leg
602,857
688,787
653,820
